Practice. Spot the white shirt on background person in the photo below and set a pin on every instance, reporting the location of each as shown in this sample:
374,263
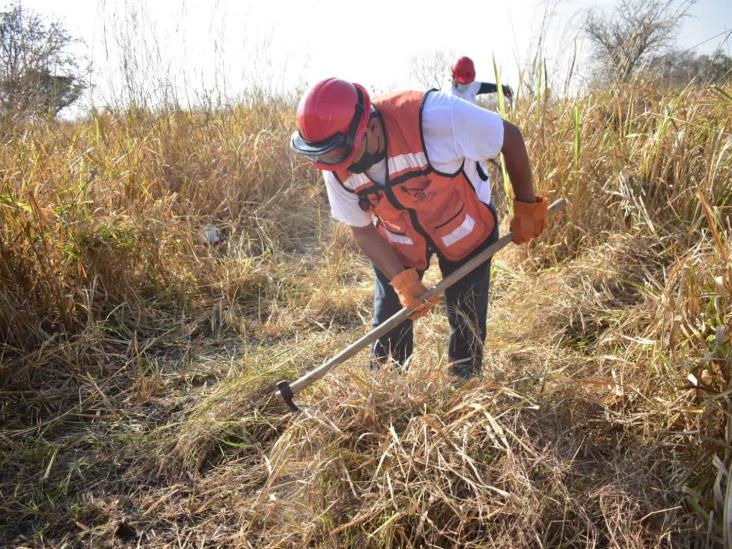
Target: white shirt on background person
468,92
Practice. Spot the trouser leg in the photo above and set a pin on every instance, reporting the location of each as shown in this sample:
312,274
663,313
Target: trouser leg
467,309
397,343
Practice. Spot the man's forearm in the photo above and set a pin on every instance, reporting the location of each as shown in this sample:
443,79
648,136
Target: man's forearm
517,163
377,249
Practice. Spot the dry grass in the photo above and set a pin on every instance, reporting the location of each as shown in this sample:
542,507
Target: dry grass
137,363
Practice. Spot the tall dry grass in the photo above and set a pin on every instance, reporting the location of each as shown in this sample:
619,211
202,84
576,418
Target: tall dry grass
102,218
137,361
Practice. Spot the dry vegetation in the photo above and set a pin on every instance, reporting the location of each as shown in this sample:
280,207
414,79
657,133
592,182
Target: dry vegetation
137,363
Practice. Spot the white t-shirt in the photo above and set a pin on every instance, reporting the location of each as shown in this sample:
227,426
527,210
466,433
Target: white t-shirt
468,92
455,132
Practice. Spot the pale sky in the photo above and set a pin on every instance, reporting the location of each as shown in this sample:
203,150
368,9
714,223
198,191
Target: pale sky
227,45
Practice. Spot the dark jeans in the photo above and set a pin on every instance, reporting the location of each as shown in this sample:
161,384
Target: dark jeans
467,309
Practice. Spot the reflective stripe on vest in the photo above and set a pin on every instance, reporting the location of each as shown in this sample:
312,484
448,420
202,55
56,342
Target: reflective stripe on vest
398,238
461,232
409,161
356,180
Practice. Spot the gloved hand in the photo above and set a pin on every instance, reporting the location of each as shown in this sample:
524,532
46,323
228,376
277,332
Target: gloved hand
507,91
529,219
409,288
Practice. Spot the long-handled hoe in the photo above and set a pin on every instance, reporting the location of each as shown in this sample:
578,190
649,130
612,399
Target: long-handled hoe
287,390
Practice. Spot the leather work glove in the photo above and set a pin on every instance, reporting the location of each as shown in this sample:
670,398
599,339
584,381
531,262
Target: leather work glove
529,219
408,288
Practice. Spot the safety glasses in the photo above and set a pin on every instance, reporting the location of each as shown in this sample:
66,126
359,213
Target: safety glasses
336,148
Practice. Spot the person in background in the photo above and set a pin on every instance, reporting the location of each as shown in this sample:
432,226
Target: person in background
401,173
466,87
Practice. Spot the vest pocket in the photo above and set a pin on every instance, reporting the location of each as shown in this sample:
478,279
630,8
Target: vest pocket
459,232
457,237
462,207
406,242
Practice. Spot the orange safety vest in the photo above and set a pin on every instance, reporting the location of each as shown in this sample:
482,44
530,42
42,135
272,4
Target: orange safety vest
419,210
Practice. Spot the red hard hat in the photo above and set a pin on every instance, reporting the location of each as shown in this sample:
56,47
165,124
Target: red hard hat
332,118
463,70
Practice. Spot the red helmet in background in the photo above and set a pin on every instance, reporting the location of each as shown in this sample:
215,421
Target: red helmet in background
463,70
332,118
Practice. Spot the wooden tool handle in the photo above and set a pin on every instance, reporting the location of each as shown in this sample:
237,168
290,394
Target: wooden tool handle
399,317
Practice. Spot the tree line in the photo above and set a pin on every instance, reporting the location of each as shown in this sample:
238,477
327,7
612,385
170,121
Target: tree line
39,75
